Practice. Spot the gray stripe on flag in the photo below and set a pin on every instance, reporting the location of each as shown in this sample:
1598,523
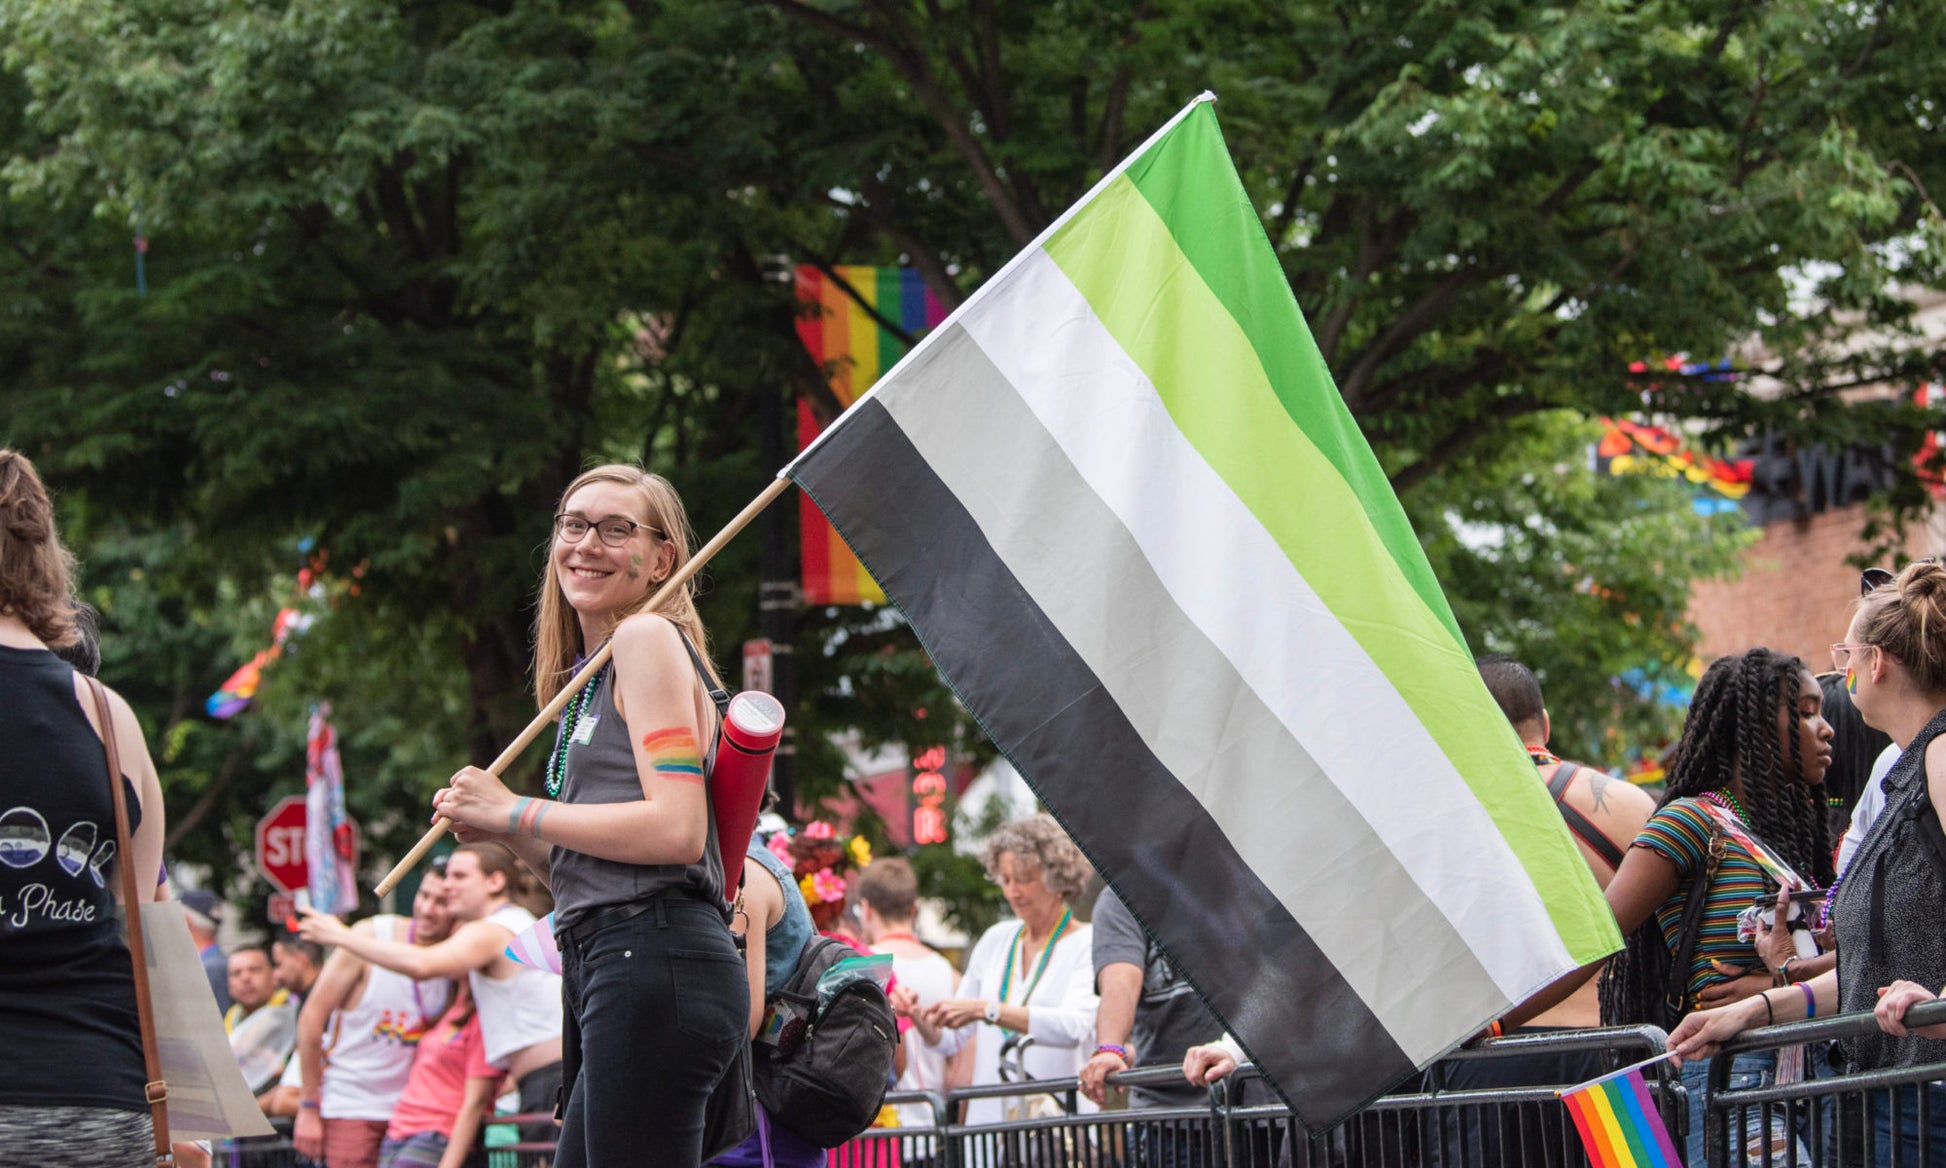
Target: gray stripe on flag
1261,974
1192,707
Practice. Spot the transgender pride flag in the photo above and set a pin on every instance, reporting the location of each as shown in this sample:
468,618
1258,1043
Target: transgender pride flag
329,848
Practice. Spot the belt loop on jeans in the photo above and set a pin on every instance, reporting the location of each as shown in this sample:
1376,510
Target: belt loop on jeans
661,913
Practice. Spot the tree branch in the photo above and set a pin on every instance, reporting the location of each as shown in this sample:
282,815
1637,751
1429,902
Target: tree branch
1454,444
1407,327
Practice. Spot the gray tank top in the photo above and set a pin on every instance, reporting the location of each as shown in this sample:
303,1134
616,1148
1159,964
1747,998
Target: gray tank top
1887,907
601,769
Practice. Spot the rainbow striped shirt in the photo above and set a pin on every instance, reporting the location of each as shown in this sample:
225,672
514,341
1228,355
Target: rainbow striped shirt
1680,833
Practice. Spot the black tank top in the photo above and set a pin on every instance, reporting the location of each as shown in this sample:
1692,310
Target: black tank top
67,991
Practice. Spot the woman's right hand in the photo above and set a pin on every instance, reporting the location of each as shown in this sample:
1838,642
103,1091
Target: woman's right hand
1894,1000
1702,1032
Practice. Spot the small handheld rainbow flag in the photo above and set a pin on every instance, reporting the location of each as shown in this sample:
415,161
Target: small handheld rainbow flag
1619,1124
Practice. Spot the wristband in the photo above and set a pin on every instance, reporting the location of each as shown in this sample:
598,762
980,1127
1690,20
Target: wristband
308,1104
1120,1052
1770,1012
1494,1029
1784,970
1810,1000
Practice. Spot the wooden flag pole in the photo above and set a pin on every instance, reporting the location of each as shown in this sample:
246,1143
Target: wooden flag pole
541,720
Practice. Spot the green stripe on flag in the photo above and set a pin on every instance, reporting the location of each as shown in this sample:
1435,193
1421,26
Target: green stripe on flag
1187,177
1154,302
889,303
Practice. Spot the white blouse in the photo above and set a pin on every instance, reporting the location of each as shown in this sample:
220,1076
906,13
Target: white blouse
1060,1012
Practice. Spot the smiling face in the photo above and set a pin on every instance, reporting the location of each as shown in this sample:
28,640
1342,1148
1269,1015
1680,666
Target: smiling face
431,920
598,581
471,891
1814,734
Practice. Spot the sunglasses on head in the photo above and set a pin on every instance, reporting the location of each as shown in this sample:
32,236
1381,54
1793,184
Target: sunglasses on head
1872,578
438,865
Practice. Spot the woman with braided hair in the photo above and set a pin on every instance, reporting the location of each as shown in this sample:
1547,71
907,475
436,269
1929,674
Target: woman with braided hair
1742,822
1894,658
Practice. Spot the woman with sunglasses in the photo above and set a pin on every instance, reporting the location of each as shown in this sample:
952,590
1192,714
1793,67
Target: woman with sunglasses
654,996
1894,659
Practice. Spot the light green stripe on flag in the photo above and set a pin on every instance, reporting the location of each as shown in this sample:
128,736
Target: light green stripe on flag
1156,304
1189,181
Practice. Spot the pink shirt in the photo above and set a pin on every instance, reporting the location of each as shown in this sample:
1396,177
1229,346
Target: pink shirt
448,1056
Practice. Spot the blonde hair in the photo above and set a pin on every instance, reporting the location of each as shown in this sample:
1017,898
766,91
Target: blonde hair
36,570
1038,840
557,633
1907,618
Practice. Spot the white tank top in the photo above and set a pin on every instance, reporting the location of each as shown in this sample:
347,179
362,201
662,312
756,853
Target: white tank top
368,1054
516,1012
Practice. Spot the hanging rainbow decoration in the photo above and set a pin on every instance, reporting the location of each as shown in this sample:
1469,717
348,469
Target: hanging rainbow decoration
852,349
234,696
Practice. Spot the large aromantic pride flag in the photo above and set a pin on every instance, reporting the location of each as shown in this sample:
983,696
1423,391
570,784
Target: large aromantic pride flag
1130,518
852,347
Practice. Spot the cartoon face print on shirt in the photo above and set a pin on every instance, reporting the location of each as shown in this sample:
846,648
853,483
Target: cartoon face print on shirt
24,838
77,844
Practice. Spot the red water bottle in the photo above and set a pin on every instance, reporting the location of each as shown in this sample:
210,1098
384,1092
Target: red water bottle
751,728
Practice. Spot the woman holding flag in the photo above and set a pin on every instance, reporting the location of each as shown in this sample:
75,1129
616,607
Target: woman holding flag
1894,658
655,1000
1740,824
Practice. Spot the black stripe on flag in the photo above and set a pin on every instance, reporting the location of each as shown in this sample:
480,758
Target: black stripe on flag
1256,967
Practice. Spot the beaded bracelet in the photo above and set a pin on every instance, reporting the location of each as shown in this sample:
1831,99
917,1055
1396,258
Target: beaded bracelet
1120,1052
1810,1000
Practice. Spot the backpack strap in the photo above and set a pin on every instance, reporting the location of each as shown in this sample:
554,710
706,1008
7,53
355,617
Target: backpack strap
1583,827
718,696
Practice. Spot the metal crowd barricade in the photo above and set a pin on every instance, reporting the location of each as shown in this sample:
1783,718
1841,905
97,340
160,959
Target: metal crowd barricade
1241,1125
1828,1119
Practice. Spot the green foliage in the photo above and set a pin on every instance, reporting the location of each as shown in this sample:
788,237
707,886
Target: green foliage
1585,578
411,267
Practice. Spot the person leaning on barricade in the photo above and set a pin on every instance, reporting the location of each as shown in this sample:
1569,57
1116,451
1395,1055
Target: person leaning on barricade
1741,824
1894,655
1028,978
71,1086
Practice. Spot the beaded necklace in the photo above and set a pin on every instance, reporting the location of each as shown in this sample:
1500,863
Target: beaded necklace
1727,800
1542,756
557,763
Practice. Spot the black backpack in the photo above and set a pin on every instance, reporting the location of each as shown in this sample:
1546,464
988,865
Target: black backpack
823,1073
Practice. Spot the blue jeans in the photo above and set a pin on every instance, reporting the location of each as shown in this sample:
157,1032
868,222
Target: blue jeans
1904,1101
1749,1070
653,1008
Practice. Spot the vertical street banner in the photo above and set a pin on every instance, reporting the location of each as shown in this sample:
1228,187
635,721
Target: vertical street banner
329,847
1123,505
852,346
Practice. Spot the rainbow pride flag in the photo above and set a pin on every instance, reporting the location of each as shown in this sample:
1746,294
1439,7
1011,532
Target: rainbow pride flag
852,349
1619,1124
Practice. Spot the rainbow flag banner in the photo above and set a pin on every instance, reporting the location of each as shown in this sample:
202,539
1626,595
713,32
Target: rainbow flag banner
1619,1124
852,348
1137,531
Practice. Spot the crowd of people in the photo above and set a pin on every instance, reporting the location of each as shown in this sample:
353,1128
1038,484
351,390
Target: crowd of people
392,1040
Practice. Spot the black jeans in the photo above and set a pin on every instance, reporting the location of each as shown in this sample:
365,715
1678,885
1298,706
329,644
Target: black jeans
652,1010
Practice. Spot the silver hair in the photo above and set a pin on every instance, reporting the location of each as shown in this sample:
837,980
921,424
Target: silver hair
1038,840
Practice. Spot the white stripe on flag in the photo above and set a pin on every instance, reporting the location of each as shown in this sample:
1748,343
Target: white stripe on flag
1240,588
1185,700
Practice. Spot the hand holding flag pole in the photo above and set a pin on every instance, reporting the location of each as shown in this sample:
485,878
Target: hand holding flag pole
676,580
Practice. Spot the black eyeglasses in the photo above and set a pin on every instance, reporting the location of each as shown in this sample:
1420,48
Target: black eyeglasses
613,530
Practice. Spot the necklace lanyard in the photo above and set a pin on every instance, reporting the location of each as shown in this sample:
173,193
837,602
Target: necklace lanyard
1040,967
1769,861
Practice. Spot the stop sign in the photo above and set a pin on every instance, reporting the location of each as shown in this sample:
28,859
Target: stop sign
280,845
